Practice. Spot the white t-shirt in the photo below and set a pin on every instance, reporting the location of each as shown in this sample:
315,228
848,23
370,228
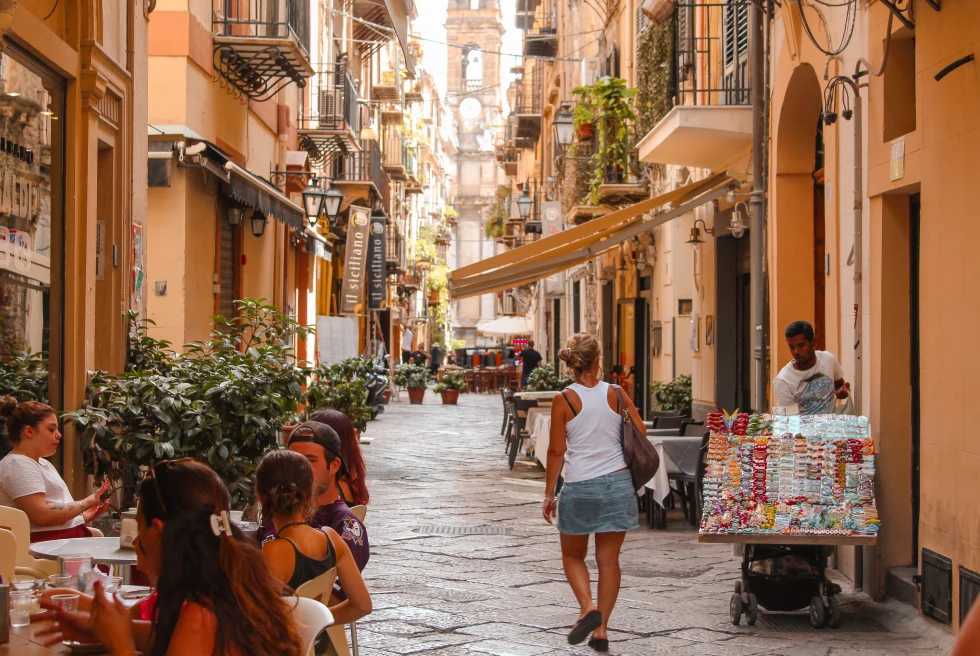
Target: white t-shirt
811,390
407,340
22,475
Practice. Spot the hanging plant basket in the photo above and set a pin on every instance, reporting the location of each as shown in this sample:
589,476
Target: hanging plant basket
586,131
659,11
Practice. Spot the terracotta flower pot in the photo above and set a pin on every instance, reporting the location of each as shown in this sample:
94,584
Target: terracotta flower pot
415,395
450,397
585,131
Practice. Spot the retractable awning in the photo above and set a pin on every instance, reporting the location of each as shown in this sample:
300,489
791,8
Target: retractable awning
577,245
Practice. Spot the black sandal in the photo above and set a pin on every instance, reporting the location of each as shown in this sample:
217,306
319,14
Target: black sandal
599,644
585,626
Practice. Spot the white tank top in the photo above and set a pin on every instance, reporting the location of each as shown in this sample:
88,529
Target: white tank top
593,436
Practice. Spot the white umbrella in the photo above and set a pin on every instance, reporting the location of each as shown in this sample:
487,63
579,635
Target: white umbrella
506,326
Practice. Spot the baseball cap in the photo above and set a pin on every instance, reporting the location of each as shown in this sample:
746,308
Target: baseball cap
325,436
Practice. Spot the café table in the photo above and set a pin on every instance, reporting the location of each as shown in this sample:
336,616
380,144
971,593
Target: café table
104,551
536,396
24,642
678,455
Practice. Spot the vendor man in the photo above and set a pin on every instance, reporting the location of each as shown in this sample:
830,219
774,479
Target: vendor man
813,380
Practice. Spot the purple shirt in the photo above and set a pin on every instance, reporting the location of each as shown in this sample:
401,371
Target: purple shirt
337,516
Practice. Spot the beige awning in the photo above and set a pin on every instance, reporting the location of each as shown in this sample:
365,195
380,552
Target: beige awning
582,243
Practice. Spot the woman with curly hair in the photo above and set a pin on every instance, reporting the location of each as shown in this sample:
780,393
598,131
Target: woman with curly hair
215,592
297,552
353,487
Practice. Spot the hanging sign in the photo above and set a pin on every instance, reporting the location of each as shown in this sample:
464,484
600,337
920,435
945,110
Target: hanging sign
551,219
355,257
377,292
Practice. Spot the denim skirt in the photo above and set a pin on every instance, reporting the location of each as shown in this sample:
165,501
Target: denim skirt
604,504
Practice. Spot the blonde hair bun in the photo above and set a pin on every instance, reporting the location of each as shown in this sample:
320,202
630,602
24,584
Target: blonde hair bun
581,353
565,354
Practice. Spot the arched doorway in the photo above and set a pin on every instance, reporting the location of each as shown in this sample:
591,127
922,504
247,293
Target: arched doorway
797,226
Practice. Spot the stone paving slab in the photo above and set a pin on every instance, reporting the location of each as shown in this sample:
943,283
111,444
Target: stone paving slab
505,595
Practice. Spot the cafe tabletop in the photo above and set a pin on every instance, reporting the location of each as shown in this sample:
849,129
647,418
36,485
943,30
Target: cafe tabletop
24,642
102,550
536,396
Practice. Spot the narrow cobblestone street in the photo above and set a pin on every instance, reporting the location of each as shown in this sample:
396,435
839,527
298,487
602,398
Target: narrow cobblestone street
432,469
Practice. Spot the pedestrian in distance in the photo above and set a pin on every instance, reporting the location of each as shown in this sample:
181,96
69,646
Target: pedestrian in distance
597,496
530,359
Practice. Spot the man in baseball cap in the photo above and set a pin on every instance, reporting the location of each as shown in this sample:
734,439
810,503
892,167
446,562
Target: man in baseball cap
320,444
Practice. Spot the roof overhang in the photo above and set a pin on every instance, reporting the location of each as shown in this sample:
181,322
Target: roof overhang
703,136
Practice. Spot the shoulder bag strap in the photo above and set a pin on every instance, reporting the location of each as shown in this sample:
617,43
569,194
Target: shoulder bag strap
570,407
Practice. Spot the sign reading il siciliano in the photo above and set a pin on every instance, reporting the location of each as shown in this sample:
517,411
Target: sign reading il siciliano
377,296
352,296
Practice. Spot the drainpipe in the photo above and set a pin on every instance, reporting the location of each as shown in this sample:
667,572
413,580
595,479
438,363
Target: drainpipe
758,203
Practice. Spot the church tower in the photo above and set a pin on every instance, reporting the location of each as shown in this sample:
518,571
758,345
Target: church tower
474,30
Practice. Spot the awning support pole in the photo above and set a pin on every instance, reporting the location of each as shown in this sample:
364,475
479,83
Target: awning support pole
758,202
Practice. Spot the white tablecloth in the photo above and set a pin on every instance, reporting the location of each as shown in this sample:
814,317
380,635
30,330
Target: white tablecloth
539,426
678,455
535,396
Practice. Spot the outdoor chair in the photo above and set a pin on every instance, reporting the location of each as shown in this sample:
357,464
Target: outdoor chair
311,618
359,511
16,521
662,413
505,393
511,420
518,432
688,485
661,423
8,556
320,589
514,379
469,378
484,381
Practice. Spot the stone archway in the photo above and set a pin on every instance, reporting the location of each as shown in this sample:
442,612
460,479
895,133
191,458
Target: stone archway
791,228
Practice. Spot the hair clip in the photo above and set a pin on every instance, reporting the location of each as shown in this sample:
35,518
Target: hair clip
220,523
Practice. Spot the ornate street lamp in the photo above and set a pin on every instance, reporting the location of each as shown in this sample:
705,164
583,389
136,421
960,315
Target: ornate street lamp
695,241
331,203
564,125
524,202
314,198
258,223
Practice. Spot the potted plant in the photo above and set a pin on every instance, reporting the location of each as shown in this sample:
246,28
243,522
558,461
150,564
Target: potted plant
453,382
583,117
546,379
413,377
609,104
673,395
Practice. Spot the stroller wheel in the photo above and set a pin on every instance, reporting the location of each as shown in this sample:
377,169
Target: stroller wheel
752,612
735,609
833,620
818,615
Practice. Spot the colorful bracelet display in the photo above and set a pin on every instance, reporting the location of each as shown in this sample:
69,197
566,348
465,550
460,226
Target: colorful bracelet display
801,475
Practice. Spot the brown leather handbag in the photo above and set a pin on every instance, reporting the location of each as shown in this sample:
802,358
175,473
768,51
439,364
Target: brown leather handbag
641,458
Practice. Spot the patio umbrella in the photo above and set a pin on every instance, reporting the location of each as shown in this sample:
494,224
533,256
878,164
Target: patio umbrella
506,326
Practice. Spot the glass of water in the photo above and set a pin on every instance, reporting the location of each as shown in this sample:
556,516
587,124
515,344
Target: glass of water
21,604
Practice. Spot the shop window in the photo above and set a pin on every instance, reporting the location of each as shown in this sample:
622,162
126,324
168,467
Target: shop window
31,220
899,88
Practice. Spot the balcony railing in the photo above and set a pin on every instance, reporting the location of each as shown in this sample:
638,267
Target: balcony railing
529,107
712,62
394,153
333,122
362,167
538,20
260,46
395,249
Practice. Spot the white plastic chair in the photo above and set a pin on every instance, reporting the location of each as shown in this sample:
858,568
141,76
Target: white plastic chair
15,521
8,555
96,533
311,618
320,589
360,512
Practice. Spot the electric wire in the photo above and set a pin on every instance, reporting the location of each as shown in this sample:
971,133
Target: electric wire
850,21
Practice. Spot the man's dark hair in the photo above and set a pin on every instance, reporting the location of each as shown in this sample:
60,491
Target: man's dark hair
530,343
800,328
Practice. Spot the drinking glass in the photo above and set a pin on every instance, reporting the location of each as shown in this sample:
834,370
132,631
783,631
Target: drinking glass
112,584
67,602
31,585
59,581
21,603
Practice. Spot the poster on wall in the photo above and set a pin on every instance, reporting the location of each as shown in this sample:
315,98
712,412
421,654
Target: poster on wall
377,273
355,258
138,274
551,219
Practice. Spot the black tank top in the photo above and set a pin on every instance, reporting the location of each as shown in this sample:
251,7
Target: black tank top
306,568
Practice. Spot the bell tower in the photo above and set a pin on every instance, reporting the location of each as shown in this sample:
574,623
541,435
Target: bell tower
474,31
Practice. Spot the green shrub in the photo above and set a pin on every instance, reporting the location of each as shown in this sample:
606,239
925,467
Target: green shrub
24,377
452,380
545,379
412,375
343,387
673,395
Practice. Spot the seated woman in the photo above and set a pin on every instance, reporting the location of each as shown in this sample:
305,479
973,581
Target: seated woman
353,488
298,553
215,593
32,484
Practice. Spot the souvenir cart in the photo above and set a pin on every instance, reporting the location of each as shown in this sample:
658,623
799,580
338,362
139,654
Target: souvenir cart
789,489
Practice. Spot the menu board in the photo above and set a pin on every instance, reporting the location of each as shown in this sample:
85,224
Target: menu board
779,476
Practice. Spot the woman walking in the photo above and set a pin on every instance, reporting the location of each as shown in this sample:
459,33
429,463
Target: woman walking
598,495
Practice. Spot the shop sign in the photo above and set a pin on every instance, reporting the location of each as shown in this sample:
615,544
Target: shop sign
551,223
377,273
355,257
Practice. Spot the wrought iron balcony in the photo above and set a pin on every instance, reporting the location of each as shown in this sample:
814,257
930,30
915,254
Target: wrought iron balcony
361,169
712,60
333,123
538,20
394,153
529,107
395,249
260,46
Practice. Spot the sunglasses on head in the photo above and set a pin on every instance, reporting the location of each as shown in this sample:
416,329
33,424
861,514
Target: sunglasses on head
152,474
